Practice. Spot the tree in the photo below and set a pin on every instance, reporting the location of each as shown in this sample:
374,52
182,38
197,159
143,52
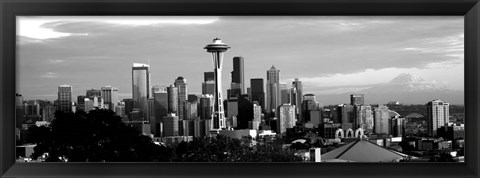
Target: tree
99,136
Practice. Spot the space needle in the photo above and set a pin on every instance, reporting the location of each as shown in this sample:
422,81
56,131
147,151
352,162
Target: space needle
217,48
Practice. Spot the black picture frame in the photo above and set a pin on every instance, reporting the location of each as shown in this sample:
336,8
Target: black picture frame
470,9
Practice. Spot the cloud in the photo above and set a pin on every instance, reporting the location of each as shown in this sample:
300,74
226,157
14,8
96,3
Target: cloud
49,75
56,61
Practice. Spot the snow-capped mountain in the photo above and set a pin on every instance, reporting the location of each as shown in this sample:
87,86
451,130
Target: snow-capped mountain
406,88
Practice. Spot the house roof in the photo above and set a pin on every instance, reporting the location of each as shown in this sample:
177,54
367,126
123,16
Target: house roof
362,151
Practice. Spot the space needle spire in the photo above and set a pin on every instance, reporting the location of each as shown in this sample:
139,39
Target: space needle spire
217,48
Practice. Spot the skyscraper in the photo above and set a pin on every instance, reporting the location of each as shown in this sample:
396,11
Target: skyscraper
141,88
437,116
110,96
357,99
364,118
181,84
208,76
238,73
172,92
208,87
286,118
170,125
65,98
217,48
381,117
257,91
297,98
285,94
273,89
205,110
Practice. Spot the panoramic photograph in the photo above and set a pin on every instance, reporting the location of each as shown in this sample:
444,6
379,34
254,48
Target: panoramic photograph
314,89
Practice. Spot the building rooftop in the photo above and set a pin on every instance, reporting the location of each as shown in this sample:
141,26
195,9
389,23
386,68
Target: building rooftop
140,65
362,151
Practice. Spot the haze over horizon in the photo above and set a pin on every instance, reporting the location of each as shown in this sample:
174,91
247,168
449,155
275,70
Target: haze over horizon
331,55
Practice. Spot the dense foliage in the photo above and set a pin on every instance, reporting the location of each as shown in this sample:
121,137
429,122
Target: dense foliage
101,136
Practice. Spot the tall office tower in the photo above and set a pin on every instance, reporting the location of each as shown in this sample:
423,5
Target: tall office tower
345,116
161,104
273,89
151,116
381,117
309,104
298,99
257,91
205,110
141,88
170,125
208,76
257,116
81,102
364,118
357,99
64,98
437,116
238,73
234,92
285,94
191,110
172,93
18,100
397,127
128,107
208,87
217,48
93,93
286,118
181,84
48,112
110,97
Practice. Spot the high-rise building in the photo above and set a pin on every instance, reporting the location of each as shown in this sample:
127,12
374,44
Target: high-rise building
172,93
217,48
161,105
141,88
397,127
437,116
209,76
345,116
81,102
208,87
257,91
364,118
357,99
273,89
257,116
297,96
286,118
309,104
381,117
170,125
205,111
110,97
285,94
64,98
181,84
238,73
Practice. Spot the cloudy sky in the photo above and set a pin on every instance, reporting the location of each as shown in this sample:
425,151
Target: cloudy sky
325,52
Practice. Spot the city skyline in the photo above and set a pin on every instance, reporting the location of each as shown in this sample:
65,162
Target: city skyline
439,50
